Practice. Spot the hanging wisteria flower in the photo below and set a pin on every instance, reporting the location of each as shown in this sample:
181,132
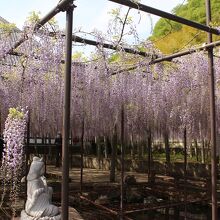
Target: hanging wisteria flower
12,160
13,137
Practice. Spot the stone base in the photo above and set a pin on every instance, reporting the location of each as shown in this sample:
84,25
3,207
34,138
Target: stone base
25,216
74,215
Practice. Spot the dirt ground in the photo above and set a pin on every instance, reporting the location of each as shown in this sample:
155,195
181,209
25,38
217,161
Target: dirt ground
93,175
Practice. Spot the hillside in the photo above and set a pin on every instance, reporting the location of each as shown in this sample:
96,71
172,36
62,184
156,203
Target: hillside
171,37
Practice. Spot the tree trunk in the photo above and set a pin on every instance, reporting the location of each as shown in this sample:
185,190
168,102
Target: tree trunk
208,150
167,147
203,151
113,156
139,148
196,150
105,148
132,146
98,151
149,153
190,150
142,149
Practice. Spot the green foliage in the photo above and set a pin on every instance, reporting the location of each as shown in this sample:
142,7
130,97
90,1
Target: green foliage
182,39
174,157
115,12
170,36
7,27
114,58
14,113
117,15
164,27
79,56
34,17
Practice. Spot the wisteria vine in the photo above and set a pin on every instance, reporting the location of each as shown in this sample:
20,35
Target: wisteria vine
13,153
167,96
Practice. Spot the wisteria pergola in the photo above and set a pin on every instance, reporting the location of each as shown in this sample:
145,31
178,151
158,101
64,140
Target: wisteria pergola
68,6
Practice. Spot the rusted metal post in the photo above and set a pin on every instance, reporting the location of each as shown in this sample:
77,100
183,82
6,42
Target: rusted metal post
66,112
0,122
43,142
149,143
122,164
81,151
185,172
212,116
27,150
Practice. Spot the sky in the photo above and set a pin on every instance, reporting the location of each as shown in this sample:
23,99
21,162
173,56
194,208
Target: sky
87,16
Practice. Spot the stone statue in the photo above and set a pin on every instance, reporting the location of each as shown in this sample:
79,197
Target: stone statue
38,204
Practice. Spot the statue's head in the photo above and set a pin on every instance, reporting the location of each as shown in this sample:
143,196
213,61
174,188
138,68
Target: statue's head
36,169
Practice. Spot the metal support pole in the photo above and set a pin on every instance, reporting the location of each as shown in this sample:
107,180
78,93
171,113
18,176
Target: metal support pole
0,122
185,173
149,155
27,149
212,116
122,164
62,5
81,152
66,112
113,47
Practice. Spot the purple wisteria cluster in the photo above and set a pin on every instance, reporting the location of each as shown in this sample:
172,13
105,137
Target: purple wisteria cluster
13,135
161,98
13,157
